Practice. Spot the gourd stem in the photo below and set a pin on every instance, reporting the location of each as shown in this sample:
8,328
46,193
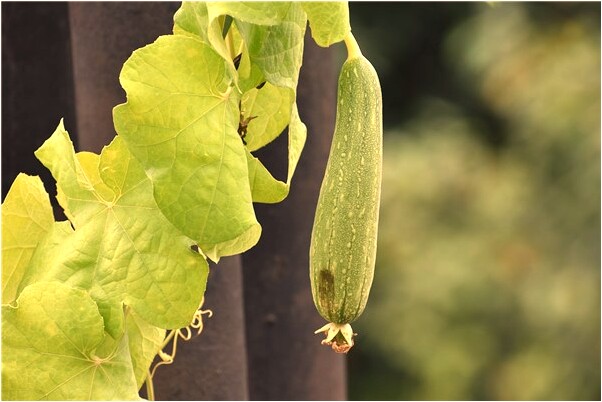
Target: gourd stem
353,48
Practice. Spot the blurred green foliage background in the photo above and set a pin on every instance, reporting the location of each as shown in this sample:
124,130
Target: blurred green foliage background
487,283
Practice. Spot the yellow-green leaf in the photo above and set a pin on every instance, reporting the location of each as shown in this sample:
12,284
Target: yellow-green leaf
127,252
181,121
26,218
54,347
328,21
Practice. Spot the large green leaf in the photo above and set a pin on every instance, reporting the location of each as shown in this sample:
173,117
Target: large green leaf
54,347
52,260
181,121
127,252
328,20
26,218
144,339
273,50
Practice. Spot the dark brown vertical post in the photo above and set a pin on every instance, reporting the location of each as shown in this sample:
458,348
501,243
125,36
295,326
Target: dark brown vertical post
286,360
103,36
37,85
212,366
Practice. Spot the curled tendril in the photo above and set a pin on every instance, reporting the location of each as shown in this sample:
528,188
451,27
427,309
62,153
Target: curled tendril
197,320
187,331
183,333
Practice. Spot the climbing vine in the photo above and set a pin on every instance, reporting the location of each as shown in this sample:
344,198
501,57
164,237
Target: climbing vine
88,303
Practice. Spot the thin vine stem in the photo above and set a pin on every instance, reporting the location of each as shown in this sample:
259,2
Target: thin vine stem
173,336
168,338
150,388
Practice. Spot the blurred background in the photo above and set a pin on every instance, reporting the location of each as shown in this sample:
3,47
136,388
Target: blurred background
487,283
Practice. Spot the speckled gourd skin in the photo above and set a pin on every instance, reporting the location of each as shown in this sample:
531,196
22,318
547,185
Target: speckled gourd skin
343,241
